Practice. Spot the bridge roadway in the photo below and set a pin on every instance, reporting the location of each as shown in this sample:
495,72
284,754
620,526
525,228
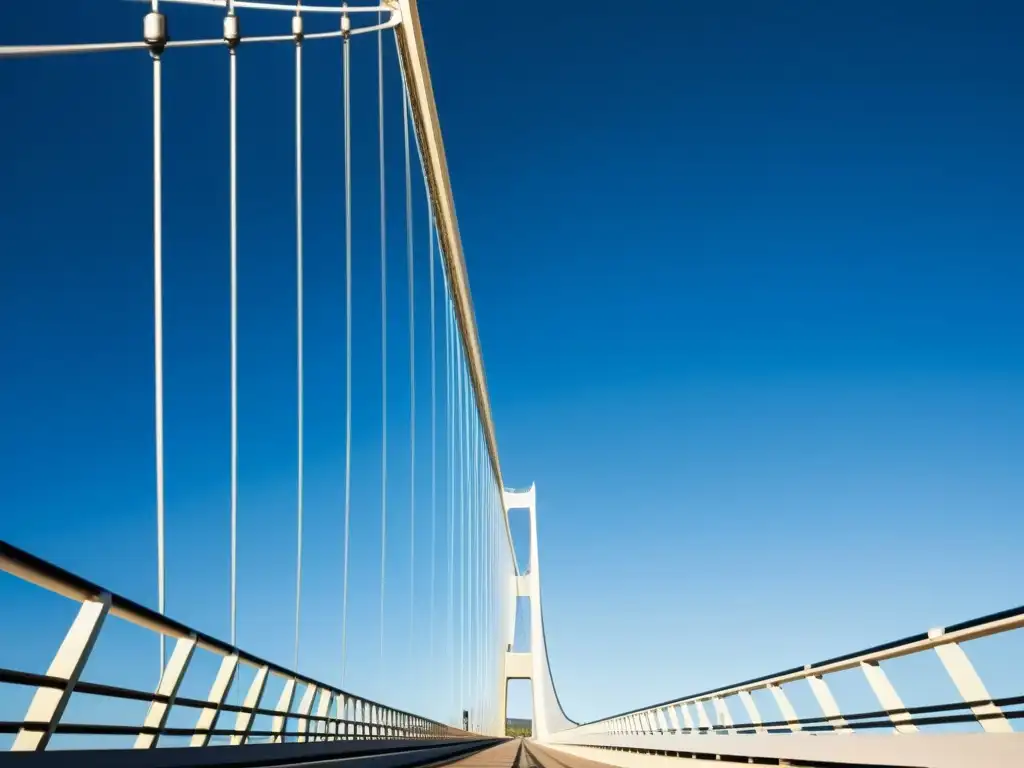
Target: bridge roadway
362,753
521,753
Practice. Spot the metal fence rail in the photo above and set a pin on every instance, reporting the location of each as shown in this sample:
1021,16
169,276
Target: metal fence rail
687,714
307,710
681,726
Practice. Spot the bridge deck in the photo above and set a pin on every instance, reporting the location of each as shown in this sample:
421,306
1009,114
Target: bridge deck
521,753
536,756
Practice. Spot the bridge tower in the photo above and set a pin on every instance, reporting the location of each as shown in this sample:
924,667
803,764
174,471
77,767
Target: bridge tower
532,665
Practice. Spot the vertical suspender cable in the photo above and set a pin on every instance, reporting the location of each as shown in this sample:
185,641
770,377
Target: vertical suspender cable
298,262
477,645
231,26
474,528
482,591
480,639
156,48
471,554
481,518
471,649
383,334
462,524
412,373
449,418
489,583
466,500
433,435
474,635
484,626
493,581
346,76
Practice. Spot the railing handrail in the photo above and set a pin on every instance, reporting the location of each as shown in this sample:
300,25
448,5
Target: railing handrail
989,624
42,573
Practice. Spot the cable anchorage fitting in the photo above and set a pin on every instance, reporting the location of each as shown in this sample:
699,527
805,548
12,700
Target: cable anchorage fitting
297,30
232,31
154,33
346,22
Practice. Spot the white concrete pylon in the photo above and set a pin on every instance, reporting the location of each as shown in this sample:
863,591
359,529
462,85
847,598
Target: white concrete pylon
548,717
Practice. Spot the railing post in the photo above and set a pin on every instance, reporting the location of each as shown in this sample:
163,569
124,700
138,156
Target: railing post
887,696
827,702
243,720
722,713
331,722
752,713
208,716
687,718
782,701
170,681
335,726
48,704
662,721
968,682
322,709
673,718
702,717
302,716
284,705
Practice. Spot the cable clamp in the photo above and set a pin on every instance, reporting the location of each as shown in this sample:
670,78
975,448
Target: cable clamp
154,32
232,31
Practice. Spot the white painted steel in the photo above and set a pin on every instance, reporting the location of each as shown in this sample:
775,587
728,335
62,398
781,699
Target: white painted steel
170,682
48,704
911,750
548,716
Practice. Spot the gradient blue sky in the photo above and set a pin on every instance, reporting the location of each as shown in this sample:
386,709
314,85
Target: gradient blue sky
747,276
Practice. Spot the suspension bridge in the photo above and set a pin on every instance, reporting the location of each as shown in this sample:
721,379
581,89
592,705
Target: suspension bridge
251,710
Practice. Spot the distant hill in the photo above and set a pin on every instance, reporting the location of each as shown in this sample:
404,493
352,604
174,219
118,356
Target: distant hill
517,726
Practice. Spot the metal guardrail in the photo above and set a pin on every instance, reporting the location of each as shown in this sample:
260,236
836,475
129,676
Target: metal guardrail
320,712
681,726
945,642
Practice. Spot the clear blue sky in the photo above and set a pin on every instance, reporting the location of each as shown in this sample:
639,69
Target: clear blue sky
748,280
